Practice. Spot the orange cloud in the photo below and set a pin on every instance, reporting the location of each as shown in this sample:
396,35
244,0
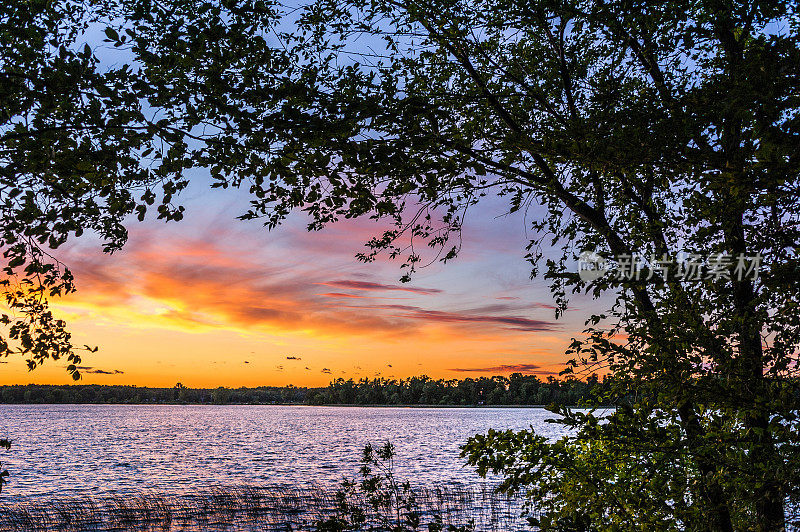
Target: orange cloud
172,307
196,285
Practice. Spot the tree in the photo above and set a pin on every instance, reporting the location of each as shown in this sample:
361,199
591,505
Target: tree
628,128
77,153
623,127
92,133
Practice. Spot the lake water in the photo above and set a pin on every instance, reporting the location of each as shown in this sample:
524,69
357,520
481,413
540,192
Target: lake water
76,450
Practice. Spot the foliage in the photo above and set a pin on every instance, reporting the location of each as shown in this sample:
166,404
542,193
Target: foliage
630,128
393,502
591,483
79,151
625,127
517,389
514,390
108,394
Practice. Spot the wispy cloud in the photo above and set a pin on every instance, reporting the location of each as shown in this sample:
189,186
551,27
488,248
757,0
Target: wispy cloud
97,371
519,323
212,281
508,368
196,286
365,285
341,295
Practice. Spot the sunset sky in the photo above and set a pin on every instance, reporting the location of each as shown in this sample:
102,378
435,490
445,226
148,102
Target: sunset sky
213,301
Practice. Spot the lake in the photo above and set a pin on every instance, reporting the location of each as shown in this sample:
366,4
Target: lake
76,450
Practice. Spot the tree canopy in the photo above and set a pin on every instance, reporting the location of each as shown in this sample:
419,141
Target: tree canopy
514,390
665,131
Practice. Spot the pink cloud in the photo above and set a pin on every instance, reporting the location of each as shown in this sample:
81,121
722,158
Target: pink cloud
365,285
217,285
508,368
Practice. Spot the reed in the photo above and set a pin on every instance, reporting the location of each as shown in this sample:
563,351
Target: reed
256,508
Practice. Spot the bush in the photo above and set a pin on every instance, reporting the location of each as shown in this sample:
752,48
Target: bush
381,502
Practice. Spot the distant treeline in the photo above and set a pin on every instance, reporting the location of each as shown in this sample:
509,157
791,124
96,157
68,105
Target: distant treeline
103,394
516,389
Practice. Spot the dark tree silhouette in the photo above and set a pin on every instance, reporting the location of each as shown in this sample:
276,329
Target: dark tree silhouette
623,127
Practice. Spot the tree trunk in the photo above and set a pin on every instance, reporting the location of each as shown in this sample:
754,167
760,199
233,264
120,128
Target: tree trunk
769,505
710,493
748,372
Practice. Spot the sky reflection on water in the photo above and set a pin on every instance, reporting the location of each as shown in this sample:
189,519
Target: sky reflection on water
73,450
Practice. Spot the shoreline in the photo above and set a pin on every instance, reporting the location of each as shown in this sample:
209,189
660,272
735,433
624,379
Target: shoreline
332,405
